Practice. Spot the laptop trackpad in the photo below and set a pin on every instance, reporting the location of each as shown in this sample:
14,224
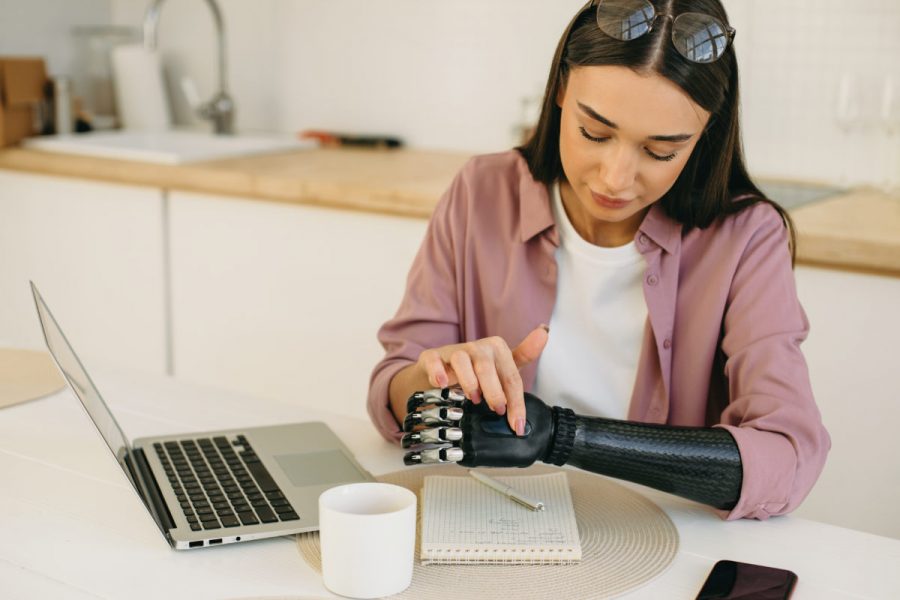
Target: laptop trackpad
317,468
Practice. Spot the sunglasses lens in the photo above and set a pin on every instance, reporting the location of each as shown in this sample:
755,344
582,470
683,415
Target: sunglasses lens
699,38
625,20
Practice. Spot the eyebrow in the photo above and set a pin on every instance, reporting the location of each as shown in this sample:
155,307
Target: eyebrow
681,137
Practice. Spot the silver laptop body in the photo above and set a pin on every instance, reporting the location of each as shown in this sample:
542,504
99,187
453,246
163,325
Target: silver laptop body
217,487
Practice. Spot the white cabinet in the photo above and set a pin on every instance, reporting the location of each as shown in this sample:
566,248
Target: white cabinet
283,300
852,355
95,251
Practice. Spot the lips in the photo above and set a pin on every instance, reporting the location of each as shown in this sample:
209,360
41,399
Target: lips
607,202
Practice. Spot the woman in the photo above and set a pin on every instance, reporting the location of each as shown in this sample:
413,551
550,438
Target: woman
629,224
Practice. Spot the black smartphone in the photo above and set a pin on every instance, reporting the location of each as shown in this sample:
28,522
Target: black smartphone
730,579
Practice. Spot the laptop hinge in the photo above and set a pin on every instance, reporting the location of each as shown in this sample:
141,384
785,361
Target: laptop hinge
151,490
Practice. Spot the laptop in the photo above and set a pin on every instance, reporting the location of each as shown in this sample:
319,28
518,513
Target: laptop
216,487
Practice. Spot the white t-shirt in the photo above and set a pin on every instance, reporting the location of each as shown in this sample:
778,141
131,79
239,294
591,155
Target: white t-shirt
590,361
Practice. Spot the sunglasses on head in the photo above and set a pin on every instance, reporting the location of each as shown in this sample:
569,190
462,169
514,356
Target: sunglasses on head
698,37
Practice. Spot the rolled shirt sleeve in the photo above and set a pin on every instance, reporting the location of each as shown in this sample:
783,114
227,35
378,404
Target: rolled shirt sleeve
772,414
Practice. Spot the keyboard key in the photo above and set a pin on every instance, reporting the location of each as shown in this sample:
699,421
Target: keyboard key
265,514
280,502
276,495
281,510
248,518
231,521
211,524
195,527
291,516
261,474
249,457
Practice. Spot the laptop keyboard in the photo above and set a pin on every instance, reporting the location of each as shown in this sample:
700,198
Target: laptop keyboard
222,483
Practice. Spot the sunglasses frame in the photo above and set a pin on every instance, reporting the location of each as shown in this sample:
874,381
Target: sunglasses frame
730,32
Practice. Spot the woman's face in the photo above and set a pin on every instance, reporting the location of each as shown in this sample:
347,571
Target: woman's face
624,139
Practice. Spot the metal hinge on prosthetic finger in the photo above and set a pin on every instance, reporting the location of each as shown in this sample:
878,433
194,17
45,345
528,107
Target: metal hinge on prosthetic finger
434,455
436,396
436,415
435,435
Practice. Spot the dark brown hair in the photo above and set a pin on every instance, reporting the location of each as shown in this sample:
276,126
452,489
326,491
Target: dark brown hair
714,182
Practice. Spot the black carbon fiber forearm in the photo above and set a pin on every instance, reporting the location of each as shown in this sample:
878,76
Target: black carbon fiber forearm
698,463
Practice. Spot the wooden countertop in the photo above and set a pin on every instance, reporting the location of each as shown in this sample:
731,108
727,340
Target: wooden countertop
859,230
399,182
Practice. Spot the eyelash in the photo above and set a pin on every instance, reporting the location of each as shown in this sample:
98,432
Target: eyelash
598,140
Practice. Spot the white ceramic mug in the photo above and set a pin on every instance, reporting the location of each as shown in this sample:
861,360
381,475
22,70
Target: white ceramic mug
367,532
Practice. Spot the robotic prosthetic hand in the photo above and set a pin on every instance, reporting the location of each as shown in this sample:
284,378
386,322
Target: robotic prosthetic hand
699,463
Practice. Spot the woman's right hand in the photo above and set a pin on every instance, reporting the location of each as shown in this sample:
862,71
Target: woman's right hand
486,369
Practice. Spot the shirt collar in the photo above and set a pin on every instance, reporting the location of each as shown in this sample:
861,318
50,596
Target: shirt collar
661,228
536,212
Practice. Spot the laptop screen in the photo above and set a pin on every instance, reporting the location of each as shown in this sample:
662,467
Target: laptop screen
80,382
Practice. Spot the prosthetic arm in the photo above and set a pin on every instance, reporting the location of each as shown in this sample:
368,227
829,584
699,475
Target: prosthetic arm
698,463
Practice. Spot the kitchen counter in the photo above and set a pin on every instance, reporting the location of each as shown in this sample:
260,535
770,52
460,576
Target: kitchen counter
399,182
858,230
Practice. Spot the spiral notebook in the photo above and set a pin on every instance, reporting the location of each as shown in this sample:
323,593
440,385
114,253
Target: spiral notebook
465,521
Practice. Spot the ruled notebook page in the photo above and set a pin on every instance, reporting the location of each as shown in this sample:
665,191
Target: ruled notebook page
465,521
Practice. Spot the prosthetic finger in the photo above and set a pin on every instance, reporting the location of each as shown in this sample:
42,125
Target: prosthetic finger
438,396
433,416
433,455
435,435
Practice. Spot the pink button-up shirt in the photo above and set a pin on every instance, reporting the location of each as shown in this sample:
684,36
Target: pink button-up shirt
722,342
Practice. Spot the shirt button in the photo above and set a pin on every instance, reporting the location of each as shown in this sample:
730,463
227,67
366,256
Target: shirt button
667,344
652,279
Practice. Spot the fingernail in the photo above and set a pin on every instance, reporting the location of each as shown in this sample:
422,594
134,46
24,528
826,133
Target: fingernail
500,410
545,327
441,380
520,426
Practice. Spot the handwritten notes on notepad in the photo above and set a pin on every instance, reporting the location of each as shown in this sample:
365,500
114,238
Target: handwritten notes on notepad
465,521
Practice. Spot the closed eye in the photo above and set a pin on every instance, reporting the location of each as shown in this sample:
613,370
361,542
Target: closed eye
600,140
588,136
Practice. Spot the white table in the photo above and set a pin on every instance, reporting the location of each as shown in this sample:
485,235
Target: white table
72,527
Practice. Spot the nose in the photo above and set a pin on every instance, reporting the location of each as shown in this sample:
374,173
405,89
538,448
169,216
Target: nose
619,170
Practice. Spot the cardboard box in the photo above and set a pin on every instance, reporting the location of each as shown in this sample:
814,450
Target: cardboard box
21,93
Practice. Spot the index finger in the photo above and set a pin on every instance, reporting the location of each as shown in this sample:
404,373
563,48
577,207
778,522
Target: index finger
514,389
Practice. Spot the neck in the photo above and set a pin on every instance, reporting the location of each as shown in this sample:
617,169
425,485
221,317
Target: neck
607,234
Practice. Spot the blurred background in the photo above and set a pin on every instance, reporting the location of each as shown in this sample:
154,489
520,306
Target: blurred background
466,74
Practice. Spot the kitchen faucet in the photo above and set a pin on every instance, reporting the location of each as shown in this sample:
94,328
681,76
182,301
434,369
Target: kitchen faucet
219,109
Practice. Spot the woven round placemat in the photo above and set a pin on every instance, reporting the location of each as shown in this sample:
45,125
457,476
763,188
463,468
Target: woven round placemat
626,541
27,375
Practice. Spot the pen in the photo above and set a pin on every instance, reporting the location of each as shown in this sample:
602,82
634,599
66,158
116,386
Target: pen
508,491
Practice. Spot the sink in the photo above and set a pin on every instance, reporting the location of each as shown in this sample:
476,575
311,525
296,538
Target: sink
166,147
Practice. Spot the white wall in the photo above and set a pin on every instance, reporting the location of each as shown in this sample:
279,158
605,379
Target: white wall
440,74
453,74
44,28
793,55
